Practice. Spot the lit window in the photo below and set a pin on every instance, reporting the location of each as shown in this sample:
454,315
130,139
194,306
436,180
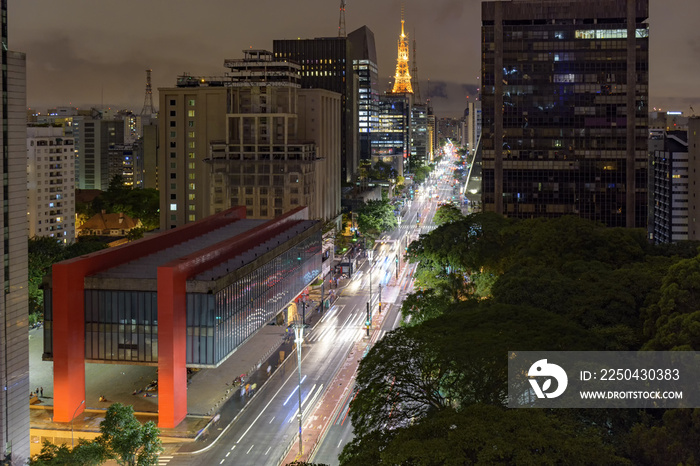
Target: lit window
191,165
173,206
191,144
190,113
191,218
190,102
191,196
190,134
192,187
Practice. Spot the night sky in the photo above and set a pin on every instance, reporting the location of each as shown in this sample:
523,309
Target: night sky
91,52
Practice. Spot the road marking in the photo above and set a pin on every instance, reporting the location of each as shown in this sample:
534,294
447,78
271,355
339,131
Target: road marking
233,447
341,441
268,450
222,461
251,447
295,389
228,454
273,418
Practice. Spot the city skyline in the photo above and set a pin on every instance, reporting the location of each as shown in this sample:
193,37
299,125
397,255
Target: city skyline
98,54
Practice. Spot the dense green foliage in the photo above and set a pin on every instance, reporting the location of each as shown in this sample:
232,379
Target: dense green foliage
433,391
43,252
123,439
447,213
374,218
142,204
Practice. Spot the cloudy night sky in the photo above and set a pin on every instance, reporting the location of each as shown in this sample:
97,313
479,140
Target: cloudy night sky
87,52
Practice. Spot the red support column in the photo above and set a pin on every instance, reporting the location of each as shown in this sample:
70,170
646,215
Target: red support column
68,341
172,344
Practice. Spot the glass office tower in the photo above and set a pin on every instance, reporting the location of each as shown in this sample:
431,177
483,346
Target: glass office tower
565,102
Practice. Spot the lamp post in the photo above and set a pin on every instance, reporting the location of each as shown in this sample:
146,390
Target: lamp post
71,422
370,256
298,326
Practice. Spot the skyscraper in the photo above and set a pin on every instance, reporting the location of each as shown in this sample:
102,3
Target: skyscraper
565,102
326,63
14,345
364,62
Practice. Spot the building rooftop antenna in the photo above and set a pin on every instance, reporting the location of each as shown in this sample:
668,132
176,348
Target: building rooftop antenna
148,108
341,20
414,71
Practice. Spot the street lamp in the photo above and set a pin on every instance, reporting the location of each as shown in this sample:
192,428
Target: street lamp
370,257
71,422
298,326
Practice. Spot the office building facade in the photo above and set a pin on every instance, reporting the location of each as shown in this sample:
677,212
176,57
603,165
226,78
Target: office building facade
327,63
565,103
99,147
14,344
364,62
391,143
670,188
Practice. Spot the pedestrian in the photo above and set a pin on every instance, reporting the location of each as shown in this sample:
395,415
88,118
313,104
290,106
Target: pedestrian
269,368
247,389
41,390
242,391
252,388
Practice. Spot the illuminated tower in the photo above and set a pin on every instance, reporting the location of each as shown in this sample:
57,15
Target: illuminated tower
402,80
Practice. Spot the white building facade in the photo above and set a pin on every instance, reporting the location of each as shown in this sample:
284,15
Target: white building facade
50,184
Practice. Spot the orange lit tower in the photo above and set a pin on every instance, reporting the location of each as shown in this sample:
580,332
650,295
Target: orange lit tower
402,79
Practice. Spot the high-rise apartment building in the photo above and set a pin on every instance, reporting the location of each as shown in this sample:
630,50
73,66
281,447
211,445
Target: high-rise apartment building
565,103
50,183
364,62
327,63
14,344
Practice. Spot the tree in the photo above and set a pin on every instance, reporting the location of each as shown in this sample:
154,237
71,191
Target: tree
374,218
143,204
447,213
42,253
676,437
486,435
423,305
456,359
127,440
673,320
85,453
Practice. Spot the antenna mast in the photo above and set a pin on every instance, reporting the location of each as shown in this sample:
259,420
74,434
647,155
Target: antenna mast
414,71
341,20
148,108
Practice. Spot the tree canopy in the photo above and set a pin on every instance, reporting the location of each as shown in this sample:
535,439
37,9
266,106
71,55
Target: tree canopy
433,391
375,217
123,439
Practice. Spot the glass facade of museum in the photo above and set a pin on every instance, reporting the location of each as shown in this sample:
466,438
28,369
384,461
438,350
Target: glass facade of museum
556,111
123,325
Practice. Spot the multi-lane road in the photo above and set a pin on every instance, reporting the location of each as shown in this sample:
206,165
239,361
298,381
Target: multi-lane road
268,426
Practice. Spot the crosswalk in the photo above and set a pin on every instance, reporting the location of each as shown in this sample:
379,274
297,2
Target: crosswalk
164,459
